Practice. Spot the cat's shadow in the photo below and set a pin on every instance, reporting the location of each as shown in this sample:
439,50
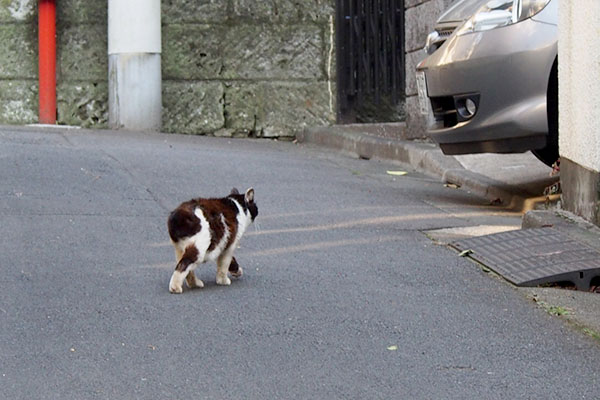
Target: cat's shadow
210,285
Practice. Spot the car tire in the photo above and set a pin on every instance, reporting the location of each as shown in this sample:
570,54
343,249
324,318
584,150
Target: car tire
549,154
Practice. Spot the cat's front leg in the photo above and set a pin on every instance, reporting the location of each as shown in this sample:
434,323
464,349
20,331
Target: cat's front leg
176,282
222,267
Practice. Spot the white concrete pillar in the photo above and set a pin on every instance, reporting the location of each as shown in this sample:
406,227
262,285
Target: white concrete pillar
134,73
579,106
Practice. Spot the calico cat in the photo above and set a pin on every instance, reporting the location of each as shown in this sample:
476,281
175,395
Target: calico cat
209,230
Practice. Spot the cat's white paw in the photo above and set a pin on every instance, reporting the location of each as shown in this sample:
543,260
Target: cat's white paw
238,273
225,281
176,283
196,283
175,289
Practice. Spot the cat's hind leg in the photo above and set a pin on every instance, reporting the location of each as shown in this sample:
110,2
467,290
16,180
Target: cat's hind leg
234,268
183,268
223,263
192,281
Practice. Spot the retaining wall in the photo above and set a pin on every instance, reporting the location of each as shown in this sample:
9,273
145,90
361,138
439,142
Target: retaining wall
230,67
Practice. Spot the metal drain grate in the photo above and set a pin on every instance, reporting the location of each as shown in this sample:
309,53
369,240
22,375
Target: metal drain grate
532,257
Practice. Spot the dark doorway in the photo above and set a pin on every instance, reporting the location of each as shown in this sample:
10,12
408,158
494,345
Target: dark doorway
370,60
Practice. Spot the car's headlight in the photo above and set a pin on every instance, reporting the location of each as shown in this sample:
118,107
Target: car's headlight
497,13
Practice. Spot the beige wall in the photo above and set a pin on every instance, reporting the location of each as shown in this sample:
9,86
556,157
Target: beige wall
579,82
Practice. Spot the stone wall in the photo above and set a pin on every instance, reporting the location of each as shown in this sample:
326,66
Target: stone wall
419,20
81,62
246,67
230,67
18,62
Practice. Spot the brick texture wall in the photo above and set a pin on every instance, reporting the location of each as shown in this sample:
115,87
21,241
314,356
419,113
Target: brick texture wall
81,62
18,62
230,67
246,67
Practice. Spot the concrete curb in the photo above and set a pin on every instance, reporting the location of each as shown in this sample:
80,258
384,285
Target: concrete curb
426,157
574,226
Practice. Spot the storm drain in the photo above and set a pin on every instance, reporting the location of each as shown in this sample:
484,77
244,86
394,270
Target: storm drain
532,257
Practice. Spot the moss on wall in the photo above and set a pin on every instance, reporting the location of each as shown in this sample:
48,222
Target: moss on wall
238,67
18,62
271,59
82,63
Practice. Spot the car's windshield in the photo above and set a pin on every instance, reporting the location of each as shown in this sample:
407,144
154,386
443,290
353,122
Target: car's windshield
460,10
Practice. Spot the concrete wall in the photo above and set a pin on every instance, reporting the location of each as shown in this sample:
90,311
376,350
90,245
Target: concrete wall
419,20
18,62
246,67
229,67
579,107
81,62
579,82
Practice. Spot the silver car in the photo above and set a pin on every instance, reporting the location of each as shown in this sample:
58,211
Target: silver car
490,81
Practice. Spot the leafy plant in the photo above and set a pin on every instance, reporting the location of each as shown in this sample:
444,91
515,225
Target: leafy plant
557,310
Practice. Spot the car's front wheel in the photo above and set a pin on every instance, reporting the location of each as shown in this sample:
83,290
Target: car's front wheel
549,154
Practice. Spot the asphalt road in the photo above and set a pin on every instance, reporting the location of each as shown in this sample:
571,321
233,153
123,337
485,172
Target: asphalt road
344,296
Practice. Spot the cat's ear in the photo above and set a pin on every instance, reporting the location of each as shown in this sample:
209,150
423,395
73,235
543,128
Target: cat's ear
249,195
234,191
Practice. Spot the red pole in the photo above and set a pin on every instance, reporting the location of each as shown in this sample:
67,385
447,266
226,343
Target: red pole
47,61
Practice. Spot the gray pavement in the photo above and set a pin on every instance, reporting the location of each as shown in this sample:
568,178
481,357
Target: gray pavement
516,181
513,180
344,295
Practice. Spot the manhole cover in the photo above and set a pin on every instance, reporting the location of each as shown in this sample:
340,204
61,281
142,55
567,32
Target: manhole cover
532,257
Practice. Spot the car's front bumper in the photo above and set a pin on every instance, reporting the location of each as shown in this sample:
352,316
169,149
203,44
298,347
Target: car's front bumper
508,70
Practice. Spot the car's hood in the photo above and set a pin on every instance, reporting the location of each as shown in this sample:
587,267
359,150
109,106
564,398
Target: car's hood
461,10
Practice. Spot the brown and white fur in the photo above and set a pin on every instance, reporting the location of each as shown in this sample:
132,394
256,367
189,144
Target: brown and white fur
209,230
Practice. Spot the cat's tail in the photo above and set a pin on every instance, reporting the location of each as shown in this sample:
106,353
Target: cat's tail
183,223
